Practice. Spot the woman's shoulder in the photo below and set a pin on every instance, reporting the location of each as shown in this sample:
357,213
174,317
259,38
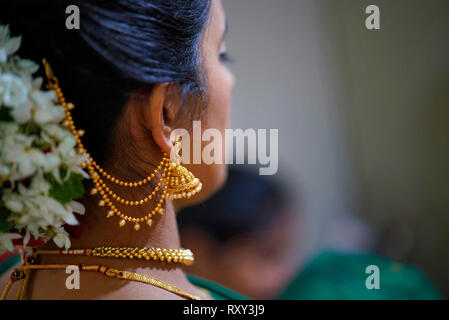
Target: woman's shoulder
215,290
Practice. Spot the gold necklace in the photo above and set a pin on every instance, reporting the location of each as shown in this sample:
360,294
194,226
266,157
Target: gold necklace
183,256
23,272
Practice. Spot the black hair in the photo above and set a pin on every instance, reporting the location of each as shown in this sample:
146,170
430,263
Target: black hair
247,204
122,47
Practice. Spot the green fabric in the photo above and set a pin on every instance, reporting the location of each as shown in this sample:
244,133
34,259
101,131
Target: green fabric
339,276
217,291
9,263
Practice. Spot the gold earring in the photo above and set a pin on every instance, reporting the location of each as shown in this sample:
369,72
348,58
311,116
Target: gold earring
181,182
176,182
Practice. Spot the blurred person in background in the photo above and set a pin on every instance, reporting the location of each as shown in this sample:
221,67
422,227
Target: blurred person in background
249,221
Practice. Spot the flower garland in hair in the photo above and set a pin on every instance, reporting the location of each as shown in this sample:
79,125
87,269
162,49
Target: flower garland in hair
40,171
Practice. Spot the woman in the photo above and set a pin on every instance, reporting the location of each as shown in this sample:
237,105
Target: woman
135,71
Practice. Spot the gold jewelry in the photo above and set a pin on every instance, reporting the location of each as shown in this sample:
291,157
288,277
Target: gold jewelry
21,273
176,182
183,256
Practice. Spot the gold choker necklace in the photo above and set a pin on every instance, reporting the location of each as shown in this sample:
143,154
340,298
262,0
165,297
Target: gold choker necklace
183,256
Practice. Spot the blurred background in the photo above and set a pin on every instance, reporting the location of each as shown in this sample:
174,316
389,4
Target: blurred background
362,118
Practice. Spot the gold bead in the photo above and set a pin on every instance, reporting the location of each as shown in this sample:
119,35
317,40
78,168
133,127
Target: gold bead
101,203
137,227
110,213
94,191
150,222
122,223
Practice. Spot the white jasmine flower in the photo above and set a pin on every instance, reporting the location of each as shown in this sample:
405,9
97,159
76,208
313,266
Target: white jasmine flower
13,92
6,241
76,207
26,158
23,114
62,238
29,67
26,238
8,129
51,161
45,111
13,202
8,46
32,144
51,132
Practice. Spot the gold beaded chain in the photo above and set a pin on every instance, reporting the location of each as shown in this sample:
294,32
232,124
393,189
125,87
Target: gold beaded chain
23,273
128,184
176,182
182,256
101,188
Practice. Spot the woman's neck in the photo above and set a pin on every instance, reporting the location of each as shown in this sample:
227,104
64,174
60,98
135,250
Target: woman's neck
101,231
98,230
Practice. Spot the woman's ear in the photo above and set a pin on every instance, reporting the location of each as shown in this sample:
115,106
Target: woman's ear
160,112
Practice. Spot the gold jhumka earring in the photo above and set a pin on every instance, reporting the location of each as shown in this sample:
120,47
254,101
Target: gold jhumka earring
175,181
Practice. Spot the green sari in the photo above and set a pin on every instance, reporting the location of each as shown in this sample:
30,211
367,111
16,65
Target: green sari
338,276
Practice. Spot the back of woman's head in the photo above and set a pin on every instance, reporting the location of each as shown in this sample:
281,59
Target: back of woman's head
122,47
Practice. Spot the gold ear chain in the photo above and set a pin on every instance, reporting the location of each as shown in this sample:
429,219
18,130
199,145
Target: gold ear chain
176,182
